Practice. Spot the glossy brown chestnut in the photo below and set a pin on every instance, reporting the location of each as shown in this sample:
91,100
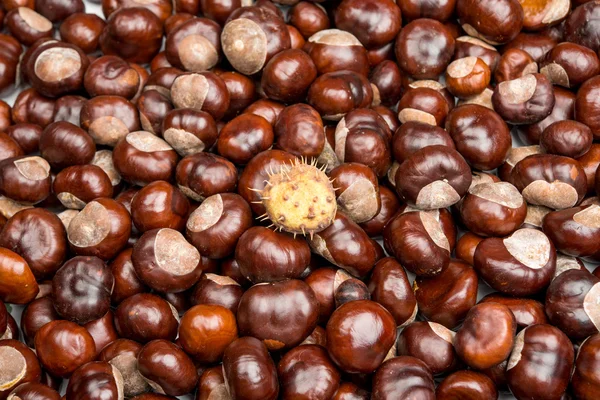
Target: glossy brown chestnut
299,131
109,118
375,23
468,46
389,206
423,104
586,105
78,185
159,205
414,135
357,191
401,377
5,117
359,336
101,229
467,385
541,362
335,50
503,19
581,27
288,75
103,331
63,144
122,354
111,75
19,365
242,91
431,343
27,26
17,283
244,137
524,100
25,179
37,314
526,311
33,391
350,391
194,45
514,63
249,370
584,381
168,368
217,290
560,66
144,317
467,77
97,378
63,346
82,30
189,131
32,107
309,18
566,138
126,281
336,93
574,230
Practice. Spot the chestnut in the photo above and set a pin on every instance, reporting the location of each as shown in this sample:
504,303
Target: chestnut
35,315
25,179
81,289
251,37
573,231
566,138
299,131
322,281
144,317
350,391
141,158
63,144
521,264
424,48
122,355
101,229
515,155
541,362
189,131
431,343
524,100
414,135
103,331
39,237
304,364
194,45
561,68
571,301
336,93
202,175
242,91
480,135
288,75
527,312
167,368
375,22
487,336
467,77
27,26
204,91
9,148
548,180
467,385
159,205
217,290
357,191
309,18
282,314
389,206
63,346
82,30
249,370
268,109
211,384
503,19
19,365
244,137
447,297
584,380
403,377
78,185
97,378
33,391
581,28
5,116
347,246
586,105
134,34
32,107
109,118
468,46
111,75
445,182
493,209
334,50
385,78
363,136
163,268
514,63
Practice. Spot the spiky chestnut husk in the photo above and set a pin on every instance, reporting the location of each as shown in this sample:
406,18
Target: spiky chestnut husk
299,199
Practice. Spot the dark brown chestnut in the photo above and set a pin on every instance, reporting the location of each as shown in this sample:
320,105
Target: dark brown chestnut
402,377
189,131
144,317
159,205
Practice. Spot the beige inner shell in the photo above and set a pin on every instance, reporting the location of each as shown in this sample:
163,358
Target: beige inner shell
174,254
530,247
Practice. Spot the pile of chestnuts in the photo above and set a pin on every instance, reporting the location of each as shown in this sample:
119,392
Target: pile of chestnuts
299,199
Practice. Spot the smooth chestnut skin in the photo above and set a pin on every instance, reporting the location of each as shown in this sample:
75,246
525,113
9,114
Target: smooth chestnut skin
350,391
467,77
202,175
81,289
204,91
141,158
25,179
526,311
570,302
34,391
5,116
244,137
589,162
122,354
541,177
101,229
566,138
82,30
9,147
159,205
503,19
27,136
97,378
264,255
574,230
302,367
168,367
541,363
309,18
205,331
468,46
431,343
109,118
334,94
347,246
242,91
102,330
525,100
359,18
249,370
28,26
189,131
424,48
163,269
386,76
39,237
299,131
487,335
154,107
389,206
282,314
480,136
337,50
322,281
268,109
20,365
77,185
561,68
126,281
288,75
218,290
211,384
403,377
32,107
586,105
467,385
584,381
423,104
216,225
63,346
389,286
418,241
581,27
192,43
17,282
357,191
447,297
514,63
414,135
359,336
111,75
35,315
144,317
